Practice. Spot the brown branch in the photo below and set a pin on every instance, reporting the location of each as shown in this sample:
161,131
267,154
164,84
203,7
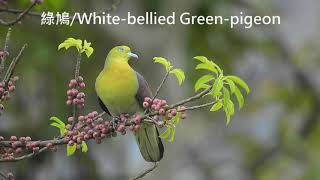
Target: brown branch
5,51
160,86
13,65
197,106
195,97
19,17
3,175
147,171
113,7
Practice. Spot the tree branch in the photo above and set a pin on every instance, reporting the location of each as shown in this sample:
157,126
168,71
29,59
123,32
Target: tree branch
19,17
147,171
13,64
5,51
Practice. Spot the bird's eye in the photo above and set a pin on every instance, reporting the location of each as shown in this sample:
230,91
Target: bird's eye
121,49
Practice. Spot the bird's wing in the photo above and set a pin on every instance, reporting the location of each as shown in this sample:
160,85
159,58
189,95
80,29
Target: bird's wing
143,90
147,136
103,107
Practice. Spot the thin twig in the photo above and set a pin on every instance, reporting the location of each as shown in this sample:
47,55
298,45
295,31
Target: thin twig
3,175
5,51
160,86
19,17
147,171
195,97
113,7
197,106
13,65
76,76
18,11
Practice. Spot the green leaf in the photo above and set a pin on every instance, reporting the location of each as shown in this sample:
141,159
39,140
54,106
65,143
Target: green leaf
173,132
226,98
164,62
84,147
202,59
231,85
216,106
71,149
60,127
240,82
87,48
228,119
179,75
207,66
166,133
216,87
71,42
200,84
176,119
239,97
53,118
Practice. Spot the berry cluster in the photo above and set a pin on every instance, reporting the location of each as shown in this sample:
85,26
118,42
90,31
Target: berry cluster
93,126
6,89
23,144
162,109
75,97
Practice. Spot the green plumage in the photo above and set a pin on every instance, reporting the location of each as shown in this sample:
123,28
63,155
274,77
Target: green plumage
122,90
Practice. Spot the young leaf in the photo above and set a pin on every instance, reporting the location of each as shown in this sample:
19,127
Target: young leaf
173,132
164,62
71,149
202,59
200,84
166,133
226,98
70,42
84,147
240,82
239,97
87,48
179,75
216,87
207,66
231,85
53,118
176,119
60,127
216,106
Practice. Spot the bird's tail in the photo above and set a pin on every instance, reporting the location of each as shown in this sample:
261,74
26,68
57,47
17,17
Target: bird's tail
150,144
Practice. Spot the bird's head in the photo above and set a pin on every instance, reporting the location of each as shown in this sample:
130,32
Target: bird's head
121,53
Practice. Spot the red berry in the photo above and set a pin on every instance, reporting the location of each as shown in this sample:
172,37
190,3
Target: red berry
70,119
162,112
13,138
183,116
121,128
82,85
137,119
145,104
173,112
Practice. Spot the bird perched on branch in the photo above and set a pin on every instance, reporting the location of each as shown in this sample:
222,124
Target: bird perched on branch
121,90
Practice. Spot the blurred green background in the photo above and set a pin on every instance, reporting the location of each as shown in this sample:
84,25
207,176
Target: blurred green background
275,136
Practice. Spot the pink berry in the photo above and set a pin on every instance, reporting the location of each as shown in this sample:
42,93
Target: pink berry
162,112
82,85
13,138
137,119
173,112
145,104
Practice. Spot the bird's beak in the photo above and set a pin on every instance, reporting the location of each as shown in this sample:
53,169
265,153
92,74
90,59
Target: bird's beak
130,54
